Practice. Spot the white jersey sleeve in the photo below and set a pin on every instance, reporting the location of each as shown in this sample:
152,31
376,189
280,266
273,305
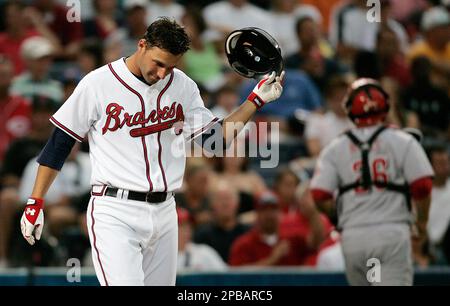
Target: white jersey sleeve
326,176
416,164
79,112
198,118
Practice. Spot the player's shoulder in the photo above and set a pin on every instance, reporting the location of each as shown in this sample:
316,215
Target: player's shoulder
182,80
98,74
94,78
337,142
398,135
182,76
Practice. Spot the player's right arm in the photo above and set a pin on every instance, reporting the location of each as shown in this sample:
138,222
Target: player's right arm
50,162
73,120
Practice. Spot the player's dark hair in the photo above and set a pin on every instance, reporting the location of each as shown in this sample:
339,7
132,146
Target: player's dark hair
168,35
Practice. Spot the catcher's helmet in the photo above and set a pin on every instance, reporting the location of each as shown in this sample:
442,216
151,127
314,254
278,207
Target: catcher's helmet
252,52
366,102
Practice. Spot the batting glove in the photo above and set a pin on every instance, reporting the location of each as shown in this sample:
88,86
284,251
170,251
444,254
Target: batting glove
267,90
32,220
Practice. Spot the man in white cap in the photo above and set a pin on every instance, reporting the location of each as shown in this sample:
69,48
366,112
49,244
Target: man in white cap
36,53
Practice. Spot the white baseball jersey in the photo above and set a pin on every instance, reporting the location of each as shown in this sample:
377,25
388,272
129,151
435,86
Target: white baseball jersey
395,157
136,132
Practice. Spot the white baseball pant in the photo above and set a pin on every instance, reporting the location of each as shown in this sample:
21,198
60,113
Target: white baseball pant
133,243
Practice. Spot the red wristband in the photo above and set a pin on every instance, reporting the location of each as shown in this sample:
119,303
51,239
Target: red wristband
35,202
257,101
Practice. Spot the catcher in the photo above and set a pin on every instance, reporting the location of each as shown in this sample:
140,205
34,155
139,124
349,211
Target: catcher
379,176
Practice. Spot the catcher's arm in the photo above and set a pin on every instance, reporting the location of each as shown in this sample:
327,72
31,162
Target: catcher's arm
421,194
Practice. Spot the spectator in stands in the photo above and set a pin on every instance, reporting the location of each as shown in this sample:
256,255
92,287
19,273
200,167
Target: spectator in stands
299,93
15,111
226,100
193,256
435,46
105,20
265,245
325,8
20,24
194,197
430,103
37,53
202,62
391,58
350,30
401,9
23,149
234,169
285,14
226,16
69,33
169,8
313,57
221,232
90,57
299,216
439,218
123,41
321,129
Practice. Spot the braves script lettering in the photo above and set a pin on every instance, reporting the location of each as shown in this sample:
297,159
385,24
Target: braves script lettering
115,120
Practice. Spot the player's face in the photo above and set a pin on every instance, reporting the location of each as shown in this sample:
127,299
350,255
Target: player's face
155,63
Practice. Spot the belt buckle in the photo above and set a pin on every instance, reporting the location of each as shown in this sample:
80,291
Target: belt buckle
147,197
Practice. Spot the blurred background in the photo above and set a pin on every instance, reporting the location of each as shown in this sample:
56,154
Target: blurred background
239,223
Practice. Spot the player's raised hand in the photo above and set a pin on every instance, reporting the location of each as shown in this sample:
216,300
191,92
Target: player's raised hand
32,220
267,90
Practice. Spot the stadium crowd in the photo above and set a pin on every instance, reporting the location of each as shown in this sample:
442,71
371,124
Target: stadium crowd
231,211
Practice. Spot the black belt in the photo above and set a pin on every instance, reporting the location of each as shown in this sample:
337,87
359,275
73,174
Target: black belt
151,197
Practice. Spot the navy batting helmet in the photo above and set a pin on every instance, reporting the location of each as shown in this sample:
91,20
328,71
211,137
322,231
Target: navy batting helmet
252,52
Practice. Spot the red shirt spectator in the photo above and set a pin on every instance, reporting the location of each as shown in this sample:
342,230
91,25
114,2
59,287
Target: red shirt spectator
10,46
15,112
15,32
15,122
265,245
253,247
55,16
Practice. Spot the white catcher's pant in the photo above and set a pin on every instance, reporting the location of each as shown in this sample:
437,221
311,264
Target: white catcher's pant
132,242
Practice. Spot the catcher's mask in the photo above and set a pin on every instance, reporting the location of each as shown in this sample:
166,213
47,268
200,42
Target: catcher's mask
366,102
252,52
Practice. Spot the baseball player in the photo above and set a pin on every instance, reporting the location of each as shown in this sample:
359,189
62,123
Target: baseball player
137,113
374,171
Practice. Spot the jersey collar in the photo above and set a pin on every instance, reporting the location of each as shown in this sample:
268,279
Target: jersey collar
133,81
